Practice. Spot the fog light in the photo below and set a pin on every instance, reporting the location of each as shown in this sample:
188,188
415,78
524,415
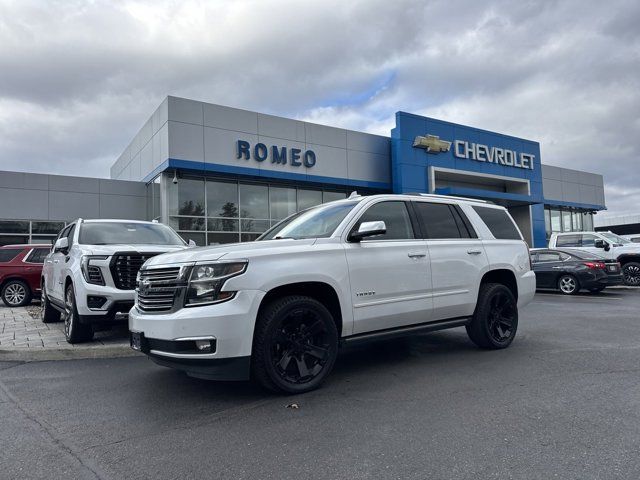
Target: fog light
203,345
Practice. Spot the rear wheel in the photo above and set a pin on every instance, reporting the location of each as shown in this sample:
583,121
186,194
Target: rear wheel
295,345
16,293
568,285
48,314
495,320
74,331
631,274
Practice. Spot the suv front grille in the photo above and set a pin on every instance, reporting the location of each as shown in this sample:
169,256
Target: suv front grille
157,289
125,266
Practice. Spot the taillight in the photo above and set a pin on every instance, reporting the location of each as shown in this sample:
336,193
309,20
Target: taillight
595,265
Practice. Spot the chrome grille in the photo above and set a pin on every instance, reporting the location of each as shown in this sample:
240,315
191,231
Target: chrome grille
157,289
125,266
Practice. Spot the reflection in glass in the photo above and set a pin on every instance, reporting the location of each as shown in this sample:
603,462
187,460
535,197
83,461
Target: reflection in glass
186,198
331,196
254,201
282,201
199,238
308,198
222,199
220,238
222,225
186,223
250,225
556,224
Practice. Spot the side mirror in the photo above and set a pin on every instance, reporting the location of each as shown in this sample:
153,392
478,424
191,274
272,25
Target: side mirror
602,244
61,245
192,243
368,229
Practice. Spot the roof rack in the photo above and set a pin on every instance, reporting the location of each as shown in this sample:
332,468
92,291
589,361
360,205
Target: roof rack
435,195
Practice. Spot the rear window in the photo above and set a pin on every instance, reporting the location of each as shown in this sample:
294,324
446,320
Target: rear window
8,254
499,223
38,255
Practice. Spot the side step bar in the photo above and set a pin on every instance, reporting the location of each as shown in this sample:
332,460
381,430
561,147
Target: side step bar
406,330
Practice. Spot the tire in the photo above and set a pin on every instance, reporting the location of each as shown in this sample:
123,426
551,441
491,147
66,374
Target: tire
631,274
295,345
16,293
596,289
48,314
568,285
495,321
74,331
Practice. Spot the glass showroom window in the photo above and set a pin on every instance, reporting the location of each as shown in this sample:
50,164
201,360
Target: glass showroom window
556,222
587,222
254,211
223,214
24,231
566,221
308,198
187,208
576,221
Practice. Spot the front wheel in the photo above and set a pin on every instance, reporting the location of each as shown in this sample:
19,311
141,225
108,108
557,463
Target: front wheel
16,293
295,345
631,274
74,331
568,285
495,321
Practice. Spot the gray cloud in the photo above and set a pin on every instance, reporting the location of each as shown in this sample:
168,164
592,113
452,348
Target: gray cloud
80,78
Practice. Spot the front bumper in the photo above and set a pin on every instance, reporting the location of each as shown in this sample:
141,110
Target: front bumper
230,323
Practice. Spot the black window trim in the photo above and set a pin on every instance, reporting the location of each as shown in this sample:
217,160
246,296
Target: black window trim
27,258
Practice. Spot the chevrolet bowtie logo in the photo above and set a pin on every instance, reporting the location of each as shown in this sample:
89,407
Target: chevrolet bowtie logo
432,144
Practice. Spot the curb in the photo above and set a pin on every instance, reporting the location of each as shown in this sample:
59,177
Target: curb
68,353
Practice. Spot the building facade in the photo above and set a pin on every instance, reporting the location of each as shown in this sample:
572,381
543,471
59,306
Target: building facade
219,174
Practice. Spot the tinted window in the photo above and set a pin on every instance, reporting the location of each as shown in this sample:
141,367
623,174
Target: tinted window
588,240
395,216
108,233
568,241
8,254
548,257
438,221
499,223
37,255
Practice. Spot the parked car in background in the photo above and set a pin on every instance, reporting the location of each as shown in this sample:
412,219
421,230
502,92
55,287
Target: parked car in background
570,271
89,278
607,244
20,271
278,309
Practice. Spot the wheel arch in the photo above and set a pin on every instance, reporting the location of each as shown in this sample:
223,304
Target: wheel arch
503,276
14,277
320,291
628,257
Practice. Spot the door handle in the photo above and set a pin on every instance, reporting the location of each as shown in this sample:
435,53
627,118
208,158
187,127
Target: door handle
474,252
416,255
56,261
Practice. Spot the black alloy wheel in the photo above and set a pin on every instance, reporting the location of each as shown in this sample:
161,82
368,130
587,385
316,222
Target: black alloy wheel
495,321
48,314
74,331
295,345
631,274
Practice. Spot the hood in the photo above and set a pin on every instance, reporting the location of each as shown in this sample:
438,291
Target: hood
233,250
111,249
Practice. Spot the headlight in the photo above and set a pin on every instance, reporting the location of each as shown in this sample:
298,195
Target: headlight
206,281
93,273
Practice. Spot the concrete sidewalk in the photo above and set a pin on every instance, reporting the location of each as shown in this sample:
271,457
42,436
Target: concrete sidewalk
24,337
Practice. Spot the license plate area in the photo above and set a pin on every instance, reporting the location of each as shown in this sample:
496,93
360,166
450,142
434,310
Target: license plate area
136,340
613,268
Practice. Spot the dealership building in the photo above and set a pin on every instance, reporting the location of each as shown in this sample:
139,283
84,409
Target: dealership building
219,174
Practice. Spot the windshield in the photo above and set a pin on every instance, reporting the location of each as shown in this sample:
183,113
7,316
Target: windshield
615,238
316,222
109,233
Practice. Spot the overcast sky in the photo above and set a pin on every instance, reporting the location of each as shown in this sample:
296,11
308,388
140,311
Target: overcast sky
78,79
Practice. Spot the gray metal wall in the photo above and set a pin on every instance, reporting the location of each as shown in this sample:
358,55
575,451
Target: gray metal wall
34,196
202,132
568,185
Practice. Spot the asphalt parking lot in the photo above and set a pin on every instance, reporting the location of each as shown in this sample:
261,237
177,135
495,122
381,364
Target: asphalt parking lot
562,402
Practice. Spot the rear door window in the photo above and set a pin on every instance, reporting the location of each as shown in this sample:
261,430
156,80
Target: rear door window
499,223
8,254
441,221
568,241
548,257
37,255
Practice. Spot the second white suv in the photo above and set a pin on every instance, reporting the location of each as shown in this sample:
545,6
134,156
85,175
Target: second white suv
89,277
607,244
344,272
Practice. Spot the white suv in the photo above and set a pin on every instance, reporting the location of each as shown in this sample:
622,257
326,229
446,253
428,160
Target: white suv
348,271
89,276
607,244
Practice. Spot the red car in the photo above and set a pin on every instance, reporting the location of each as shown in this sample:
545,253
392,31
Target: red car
20,271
